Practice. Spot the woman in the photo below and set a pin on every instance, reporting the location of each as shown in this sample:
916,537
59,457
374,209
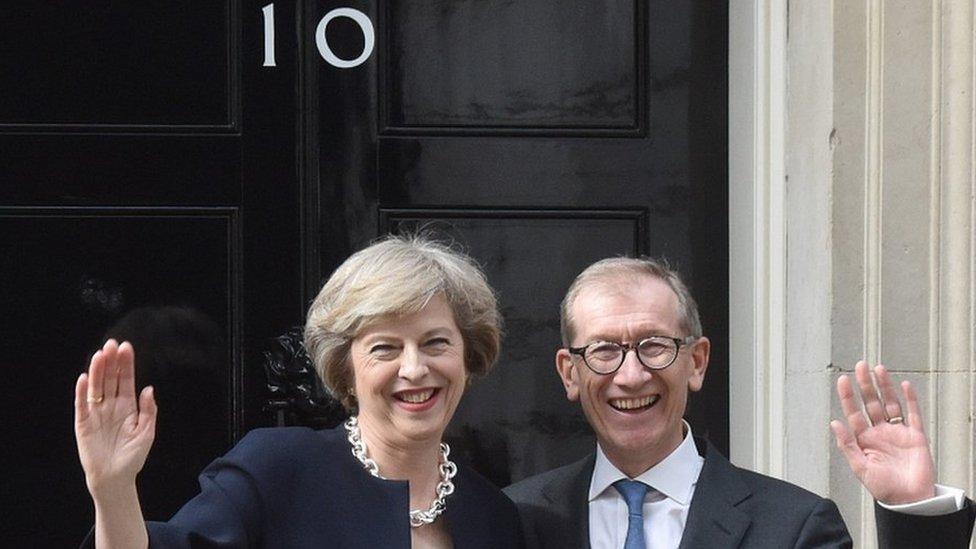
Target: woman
396,334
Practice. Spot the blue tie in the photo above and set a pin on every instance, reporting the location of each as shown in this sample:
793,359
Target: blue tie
633,493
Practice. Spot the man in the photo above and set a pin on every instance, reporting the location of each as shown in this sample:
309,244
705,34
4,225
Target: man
633,349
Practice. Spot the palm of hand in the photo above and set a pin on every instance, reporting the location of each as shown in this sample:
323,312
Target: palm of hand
897,464
114,434
110,443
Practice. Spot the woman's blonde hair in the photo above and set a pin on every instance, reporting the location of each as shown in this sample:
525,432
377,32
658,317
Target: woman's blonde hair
395,276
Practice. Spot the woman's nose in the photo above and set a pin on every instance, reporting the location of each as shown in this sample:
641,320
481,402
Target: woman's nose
412,363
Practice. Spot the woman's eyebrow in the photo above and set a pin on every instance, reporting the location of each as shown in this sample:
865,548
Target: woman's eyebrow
379,336
440,330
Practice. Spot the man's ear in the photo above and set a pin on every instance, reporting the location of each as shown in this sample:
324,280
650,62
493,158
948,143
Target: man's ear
699,356
565,368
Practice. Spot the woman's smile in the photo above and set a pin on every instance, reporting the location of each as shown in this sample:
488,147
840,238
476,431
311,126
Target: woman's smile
417,400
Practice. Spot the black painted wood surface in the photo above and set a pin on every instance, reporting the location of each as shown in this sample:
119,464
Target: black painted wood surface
158,183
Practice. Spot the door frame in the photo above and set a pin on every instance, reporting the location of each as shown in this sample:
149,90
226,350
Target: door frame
757,234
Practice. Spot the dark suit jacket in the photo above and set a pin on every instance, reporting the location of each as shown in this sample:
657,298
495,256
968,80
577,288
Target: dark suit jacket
731,508
296,488
901,531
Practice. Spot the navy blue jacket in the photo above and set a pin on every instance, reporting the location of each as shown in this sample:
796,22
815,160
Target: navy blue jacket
294,487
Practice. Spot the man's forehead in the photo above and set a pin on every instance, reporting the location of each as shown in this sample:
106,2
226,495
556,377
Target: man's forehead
639,293
626,285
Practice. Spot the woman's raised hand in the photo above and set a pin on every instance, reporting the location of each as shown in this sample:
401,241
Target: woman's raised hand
114,432
885,445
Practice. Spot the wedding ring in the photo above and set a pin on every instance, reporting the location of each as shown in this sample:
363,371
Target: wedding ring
96,400
896,420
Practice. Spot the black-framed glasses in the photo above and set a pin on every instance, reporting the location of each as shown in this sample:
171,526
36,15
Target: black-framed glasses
655,352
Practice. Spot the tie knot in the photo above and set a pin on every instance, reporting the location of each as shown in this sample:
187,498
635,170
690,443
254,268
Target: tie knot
633,492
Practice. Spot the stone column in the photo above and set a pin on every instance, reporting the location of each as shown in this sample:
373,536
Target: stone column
874,197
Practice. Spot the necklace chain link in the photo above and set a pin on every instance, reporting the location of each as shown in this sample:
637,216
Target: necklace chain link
445,487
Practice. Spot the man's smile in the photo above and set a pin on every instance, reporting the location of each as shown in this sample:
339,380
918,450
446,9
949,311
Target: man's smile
632,404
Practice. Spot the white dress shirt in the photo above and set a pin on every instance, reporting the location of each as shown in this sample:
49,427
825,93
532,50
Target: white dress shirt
666,505
946,500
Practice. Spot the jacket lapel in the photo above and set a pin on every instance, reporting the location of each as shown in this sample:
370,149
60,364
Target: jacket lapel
568,495
713,519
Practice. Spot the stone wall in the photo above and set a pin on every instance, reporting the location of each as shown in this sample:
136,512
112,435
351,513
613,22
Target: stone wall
852,227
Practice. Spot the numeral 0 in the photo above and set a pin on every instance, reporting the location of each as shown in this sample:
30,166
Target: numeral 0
321,40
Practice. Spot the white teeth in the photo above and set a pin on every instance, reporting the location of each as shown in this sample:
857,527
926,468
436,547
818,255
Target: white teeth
417,397
632,403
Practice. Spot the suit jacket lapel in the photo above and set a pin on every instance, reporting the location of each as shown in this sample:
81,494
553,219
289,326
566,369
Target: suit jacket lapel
713,519
569,494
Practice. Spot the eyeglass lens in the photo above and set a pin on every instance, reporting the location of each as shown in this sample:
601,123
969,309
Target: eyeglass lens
607,356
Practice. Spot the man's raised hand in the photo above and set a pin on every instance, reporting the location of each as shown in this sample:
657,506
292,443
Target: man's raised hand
885,444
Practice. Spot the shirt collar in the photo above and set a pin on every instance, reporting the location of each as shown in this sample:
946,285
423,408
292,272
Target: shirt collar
675,476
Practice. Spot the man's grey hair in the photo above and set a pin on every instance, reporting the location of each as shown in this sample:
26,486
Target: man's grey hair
616,268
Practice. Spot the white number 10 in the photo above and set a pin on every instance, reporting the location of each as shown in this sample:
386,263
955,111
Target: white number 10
321,40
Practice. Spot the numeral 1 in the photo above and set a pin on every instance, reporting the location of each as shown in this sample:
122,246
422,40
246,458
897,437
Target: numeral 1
269,35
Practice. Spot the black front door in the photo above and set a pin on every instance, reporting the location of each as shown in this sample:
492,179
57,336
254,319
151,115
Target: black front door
185,175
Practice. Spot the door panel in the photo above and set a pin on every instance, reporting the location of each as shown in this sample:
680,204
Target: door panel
136,275
117,65
517,421
528,65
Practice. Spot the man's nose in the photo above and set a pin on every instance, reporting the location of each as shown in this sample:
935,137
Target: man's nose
413,365
631,373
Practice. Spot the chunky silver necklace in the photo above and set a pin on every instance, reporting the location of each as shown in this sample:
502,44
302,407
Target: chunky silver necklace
444,488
